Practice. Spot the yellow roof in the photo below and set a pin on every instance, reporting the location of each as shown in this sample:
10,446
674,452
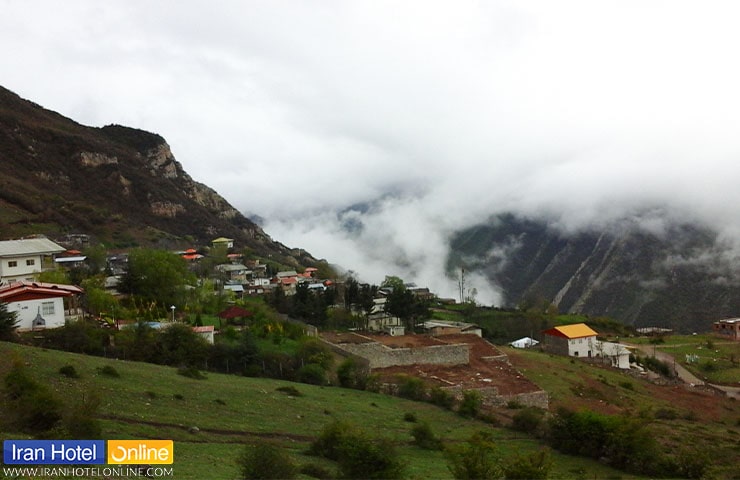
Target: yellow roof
577,330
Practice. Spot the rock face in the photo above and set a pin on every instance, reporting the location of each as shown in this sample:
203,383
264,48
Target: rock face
118,184
677,279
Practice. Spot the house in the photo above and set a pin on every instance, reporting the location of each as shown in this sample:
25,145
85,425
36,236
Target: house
71,261
617,354
729,328
577,340
223,242
379,320
525,342
206,332
41,305
235,272
22,259
442,327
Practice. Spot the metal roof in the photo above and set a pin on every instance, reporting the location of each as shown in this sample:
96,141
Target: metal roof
577,330
29,246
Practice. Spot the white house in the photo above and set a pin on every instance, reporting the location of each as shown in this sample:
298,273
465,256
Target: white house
579,340
22,259
38,305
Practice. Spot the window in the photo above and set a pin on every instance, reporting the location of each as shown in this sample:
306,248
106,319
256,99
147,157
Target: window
30,262
12,264
47,308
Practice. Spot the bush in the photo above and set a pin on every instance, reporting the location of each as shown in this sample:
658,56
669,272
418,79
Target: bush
412,388
471,404
358,455
265,461
352,374
81,421
409,417
528,420
69,371
536,465
441,398
290,390
312,374
30,406
109,371
425,438
476,459
191,372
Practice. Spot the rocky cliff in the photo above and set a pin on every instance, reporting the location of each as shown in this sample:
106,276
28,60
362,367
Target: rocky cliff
121,185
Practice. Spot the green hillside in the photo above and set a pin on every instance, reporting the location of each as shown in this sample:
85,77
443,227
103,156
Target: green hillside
149,401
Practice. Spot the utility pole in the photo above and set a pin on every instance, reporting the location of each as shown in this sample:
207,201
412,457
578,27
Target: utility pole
462,285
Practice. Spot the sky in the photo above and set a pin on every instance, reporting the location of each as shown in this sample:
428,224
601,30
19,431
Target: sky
413,119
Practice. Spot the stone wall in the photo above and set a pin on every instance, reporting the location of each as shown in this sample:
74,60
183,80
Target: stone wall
490,397
380,356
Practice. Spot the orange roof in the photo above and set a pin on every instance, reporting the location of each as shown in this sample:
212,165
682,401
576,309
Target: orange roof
577,330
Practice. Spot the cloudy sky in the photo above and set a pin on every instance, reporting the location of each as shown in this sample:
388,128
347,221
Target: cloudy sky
436,114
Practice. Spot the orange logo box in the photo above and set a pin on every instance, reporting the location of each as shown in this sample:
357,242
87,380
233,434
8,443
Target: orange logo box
153,452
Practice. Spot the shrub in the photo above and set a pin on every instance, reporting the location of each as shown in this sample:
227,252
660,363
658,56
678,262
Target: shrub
69,371
425,438
290,390
476,459
627,385
81,421
312,374
536,465
358,455
412,388
441,398
109,371
191,372
409,417
471,404
528,420
352,374
265,461
31,406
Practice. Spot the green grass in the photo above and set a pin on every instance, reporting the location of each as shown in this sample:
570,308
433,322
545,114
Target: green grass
714,364
150,401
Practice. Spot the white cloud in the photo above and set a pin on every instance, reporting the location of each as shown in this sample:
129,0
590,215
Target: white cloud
579,111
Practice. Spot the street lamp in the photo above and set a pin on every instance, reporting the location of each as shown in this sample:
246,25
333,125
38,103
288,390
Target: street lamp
173,312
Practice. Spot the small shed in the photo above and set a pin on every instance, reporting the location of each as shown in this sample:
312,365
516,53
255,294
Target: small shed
525,342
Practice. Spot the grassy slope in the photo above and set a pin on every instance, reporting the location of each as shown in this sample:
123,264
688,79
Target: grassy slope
231,411
680,417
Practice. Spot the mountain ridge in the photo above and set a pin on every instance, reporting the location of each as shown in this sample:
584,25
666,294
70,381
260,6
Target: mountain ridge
121,185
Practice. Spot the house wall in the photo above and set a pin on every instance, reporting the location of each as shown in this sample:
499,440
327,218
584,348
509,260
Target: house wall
729,330
582,347
27,311
22,270
380,356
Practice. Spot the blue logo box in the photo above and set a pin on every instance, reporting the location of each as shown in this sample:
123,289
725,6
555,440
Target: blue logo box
54,452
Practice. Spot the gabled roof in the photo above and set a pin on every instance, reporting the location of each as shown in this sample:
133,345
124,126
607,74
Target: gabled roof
29,246
19,291
577,330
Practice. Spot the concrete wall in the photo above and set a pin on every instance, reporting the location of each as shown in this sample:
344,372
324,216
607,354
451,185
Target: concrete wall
380,356
490,397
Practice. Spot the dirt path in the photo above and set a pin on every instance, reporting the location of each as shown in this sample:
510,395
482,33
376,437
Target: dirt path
682,373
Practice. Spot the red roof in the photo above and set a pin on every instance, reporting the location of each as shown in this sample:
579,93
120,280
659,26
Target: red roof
204,329
20,291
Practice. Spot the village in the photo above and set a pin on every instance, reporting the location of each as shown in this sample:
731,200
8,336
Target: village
451,355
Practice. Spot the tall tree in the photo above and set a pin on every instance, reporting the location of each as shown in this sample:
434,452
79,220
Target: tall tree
156,276
8,322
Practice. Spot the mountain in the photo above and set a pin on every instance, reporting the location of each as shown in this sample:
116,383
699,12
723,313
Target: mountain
676,278
120,185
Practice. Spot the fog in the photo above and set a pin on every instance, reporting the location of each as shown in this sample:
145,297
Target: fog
410,120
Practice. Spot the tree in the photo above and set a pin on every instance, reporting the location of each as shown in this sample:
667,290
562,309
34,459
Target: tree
156,276
8,323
